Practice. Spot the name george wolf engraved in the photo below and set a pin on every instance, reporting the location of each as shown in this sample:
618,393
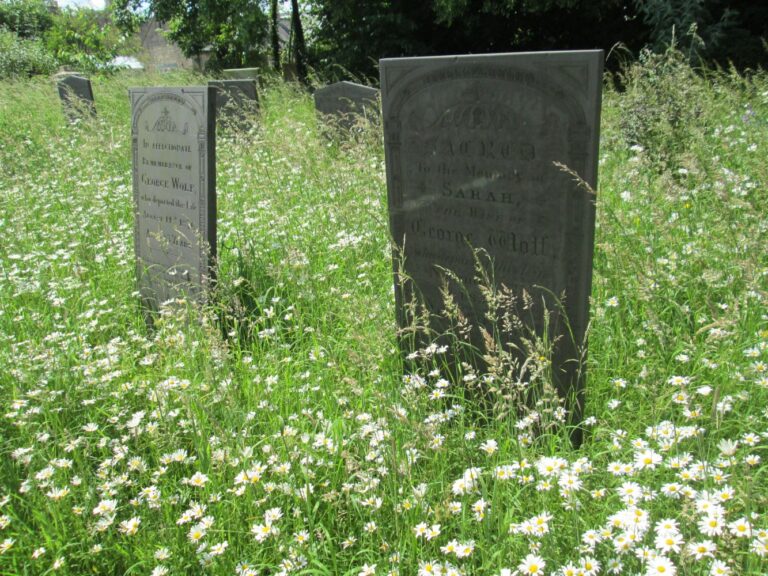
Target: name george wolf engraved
174,192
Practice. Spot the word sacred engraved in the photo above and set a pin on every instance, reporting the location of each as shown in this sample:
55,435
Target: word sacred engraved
471,146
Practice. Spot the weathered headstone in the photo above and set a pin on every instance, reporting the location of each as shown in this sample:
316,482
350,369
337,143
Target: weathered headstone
174,191
241,73
471,145
344,101
235,99
76,96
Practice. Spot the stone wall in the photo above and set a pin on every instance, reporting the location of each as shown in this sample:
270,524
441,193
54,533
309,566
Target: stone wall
159,53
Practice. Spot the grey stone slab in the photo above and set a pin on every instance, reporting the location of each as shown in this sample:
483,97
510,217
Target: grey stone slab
241,73
343,101
174,190
235,99
470,144
76,96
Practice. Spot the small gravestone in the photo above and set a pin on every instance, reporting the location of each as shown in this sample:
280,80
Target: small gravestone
235,100
174,191
471,144
76,96
344,101
241,73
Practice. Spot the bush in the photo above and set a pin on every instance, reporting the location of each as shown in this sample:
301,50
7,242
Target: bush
28,18
23,57
83,38
661,104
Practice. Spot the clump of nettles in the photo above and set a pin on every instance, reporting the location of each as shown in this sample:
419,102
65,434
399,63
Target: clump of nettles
503,365
661,105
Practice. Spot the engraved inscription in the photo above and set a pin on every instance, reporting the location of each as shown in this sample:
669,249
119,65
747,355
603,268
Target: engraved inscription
173,202
471,145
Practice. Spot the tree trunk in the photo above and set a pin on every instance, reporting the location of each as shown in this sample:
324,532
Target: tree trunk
300,46
275,37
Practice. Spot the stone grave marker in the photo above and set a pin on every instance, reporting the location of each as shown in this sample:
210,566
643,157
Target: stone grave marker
470,144
241,73
174,191
235,99
76,96
343,101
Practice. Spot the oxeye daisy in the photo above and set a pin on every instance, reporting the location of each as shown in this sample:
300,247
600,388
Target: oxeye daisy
703,549
589,566
196,533
531,565
660,566
130,527
450,548
740,528
432,532
261,531
760,547
198,480
711,525
367,570
430,568
421,529
720,568
669,542
465,549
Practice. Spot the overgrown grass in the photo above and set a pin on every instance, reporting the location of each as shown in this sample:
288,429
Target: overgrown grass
279,434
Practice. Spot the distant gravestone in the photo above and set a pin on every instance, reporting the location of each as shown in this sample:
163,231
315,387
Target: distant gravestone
344,101
241,73
76,96
235,99
471,143
174,190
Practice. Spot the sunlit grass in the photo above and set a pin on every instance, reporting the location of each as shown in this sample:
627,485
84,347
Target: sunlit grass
276,433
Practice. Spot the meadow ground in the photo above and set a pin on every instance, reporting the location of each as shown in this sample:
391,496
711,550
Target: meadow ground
277,434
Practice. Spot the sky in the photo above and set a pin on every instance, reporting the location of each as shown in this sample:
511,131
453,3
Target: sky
98,4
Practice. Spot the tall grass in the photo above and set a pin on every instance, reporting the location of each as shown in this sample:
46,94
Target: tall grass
278,433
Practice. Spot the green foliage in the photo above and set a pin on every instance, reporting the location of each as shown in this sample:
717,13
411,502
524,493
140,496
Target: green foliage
715,30
234,30
21,57
353,35
662,105
84,38
27,18
42,37
692,25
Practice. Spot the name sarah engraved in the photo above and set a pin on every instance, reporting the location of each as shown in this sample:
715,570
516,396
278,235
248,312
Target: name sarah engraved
471,147
471,171
472,144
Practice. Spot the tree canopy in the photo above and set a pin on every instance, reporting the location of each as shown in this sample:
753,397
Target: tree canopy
235,31
350,36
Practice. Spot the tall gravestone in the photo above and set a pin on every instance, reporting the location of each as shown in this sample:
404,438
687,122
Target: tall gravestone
471,145
76,96
174,191
235,99
344,101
